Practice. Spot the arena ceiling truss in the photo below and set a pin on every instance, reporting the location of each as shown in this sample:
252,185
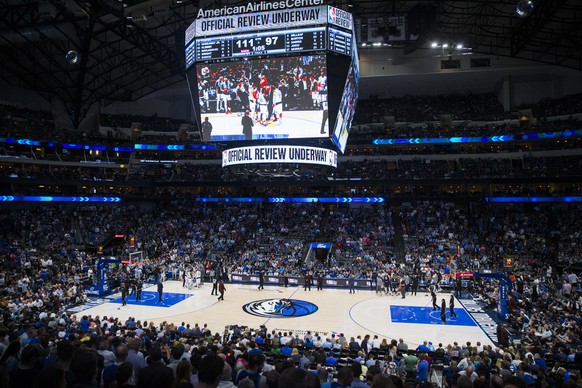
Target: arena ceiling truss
130,48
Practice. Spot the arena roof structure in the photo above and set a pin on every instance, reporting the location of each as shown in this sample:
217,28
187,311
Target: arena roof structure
121,50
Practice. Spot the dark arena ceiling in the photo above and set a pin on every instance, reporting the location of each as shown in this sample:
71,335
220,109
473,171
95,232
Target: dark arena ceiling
130,48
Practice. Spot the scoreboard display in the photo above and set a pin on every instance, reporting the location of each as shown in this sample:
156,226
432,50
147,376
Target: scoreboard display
262,71
261,43
340,41
269,43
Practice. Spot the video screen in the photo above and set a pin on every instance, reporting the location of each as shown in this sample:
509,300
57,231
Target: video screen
272,98
348,103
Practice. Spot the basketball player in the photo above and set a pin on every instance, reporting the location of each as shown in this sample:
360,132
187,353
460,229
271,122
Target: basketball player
452,307
323,104
443,311
278,105
314,92
435,306
253,102
221,90
138,289
198,278
263,110
189,280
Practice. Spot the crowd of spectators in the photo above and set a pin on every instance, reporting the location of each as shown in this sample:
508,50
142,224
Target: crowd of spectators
549,107
46,266
418,109
148,123
273,237
43,272
62,173
105,351
364,235
464,168
550,166
482,115
369,131
20,122
471,168
276,242
567,240
435,231
527,166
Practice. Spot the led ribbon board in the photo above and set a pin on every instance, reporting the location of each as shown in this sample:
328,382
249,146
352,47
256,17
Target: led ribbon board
481,139
42,198
292,199
279,154
273,15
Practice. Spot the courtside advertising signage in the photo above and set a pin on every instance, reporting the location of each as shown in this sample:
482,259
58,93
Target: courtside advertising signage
255,16
279,154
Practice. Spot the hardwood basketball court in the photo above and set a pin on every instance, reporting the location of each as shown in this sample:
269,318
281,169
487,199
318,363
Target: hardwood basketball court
332,311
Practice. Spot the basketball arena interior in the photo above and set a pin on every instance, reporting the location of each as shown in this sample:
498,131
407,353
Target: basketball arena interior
290,193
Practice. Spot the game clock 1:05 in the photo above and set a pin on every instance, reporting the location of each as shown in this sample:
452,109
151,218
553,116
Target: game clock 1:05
259,44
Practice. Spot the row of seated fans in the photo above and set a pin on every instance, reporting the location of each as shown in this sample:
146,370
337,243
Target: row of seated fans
369,169
20,122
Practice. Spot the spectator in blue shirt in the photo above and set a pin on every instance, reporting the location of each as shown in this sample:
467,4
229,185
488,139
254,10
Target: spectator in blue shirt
286,351
330,359
540,362
423,347
422,369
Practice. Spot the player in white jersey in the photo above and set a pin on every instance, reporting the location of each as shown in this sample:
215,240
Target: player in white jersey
263,110
198,277
278,105
189,279
221,91
314,92
204,100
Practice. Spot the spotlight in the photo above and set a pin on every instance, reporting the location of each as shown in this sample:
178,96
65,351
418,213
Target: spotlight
445,45
72,57
524,8
434,45
459,46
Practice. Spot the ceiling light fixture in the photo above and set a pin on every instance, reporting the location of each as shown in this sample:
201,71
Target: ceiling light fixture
524,8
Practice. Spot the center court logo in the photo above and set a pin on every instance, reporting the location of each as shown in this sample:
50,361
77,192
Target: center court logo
280,308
